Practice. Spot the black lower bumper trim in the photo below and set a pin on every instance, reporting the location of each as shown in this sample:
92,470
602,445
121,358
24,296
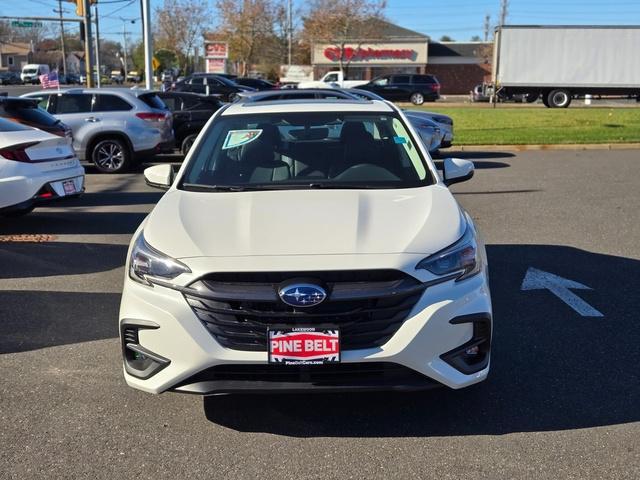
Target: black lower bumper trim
346,377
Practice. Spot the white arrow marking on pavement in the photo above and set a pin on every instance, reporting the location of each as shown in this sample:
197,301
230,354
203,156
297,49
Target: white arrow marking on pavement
538,280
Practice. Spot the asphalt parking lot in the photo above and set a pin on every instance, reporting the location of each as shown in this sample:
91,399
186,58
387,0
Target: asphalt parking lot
562,399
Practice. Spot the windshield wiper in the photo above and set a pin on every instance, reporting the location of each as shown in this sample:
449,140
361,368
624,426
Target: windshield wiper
201,187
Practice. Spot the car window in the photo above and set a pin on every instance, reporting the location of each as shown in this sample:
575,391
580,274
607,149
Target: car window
215,82
331,78
400,79
423,79
172,103
110,103
32,115
73,103
7,125
342,149
197,81
153,100
43,100
381,82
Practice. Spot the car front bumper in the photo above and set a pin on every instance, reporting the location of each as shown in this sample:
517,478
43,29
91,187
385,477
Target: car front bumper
190,360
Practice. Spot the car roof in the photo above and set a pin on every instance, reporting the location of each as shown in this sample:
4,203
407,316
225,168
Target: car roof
136,92
292,93
299,106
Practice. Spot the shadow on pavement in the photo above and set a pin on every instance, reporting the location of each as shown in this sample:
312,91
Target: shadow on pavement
551,368
38,319
24,259
99,199
477,164
73,222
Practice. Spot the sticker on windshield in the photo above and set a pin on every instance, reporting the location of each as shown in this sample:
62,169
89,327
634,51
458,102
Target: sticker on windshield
237,138
400,140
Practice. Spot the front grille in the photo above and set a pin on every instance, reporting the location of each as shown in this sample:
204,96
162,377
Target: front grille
367,306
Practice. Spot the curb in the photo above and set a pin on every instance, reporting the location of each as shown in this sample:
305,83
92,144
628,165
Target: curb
562,146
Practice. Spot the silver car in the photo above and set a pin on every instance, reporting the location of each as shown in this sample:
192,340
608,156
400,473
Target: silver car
112,127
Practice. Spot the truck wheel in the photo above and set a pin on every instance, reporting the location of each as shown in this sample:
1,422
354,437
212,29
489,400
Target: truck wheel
559,98
531,97
417,98
111,155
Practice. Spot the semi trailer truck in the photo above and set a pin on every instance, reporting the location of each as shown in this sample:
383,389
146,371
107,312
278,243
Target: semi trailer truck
559,63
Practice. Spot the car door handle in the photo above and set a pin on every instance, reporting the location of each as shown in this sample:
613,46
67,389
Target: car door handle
91,119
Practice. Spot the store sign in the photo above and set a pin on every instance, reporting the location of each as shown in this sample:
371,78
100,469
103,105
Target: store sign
369,54
216,65
216,50
383,53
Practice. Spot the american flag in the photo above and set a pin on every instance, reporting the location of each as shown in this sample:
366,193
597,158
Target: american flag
50,80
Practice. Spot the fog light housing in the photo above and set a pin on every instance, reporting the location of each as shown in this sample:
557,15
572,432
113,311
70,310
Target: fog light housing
138,361
474,355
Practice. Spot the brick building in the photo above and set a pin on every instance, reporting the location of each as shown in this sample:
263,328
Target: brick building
460,66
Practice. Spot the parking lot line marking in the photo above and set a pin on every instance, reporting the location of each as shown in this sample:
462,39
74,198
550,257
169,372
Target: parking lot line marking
536,279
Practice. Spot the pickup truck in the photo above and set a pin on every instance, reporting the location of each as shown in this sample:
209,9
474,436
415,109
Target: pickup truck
334,79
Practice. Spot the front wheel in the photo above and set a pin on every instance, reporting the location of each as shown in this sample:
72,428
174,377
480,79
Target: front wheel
417,98
111,155
559,98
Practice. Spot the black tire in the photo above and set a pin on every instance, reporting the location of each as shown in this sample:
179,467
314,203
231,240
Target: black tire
544,100
187,143
559,98
531,97
417,98
111,155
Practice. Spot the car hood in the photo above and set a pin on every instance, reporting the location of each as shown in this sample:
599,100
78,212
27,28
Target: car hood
310,222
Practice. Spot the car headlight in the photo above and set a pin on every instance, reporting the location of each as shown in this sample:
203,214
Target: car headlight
462,257
146,261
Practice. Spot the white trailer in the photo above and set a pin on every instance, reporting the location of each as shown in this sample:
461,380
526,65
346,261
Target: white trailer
559,63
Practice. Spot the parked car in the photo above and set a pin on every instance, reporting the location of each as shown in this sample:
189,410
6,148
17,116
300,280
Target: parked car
190,113
211,84
256,83
335,79
10,78
112,127
26,112
432,134
287,257
444,122
35,168
416,89
117,77
134,77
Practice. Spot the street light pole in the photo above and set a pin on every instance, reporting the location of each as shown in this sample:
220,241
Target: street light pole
99,81
64,53
87,43
148,46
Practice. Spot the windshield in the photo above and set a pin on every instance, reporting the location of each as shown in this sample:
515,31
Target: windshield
30,70
309,150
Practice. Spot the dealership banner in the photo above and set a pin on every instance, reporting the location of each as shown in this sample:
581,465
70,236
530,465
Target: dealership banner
371,53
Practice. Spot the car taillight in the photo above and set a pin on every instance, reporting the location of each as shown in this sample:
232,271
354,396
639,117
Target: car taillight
435,86
152,117
17,153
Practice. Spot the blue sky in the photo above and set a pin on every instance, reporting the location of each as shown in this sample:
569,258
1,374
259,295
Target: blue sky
460,19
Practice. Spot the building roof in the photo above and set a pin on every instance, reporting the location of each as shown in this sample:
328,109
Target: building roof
392,31
457,49
15,48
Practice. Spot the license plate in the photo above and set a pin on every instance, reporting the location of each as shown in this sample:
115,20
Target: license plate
303,345
69,187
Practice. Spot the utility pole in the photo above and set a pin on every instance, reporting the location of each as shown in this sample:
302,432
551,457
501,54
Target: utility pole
289,28
64,52
487,27
504,11
87,43
148,46
98,80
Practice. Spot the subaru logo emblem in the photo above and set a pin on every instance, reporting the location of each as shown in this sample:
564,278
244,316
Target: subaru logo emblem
302,294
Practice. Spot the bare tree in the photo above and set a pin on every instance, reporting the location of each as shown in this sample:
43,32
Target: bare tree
179,27
251,28
344,24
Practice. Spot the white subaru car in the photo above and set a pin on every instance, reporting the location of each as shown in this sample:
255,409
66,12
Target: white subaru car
36,167
306,245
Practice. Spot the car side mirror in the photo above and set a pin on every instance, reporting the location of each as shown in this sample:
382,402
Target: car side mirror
159,176
456,170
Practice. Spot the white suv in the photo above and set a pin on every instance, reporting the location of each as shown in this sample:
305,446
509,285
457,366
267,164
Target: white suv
111,127
306,245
